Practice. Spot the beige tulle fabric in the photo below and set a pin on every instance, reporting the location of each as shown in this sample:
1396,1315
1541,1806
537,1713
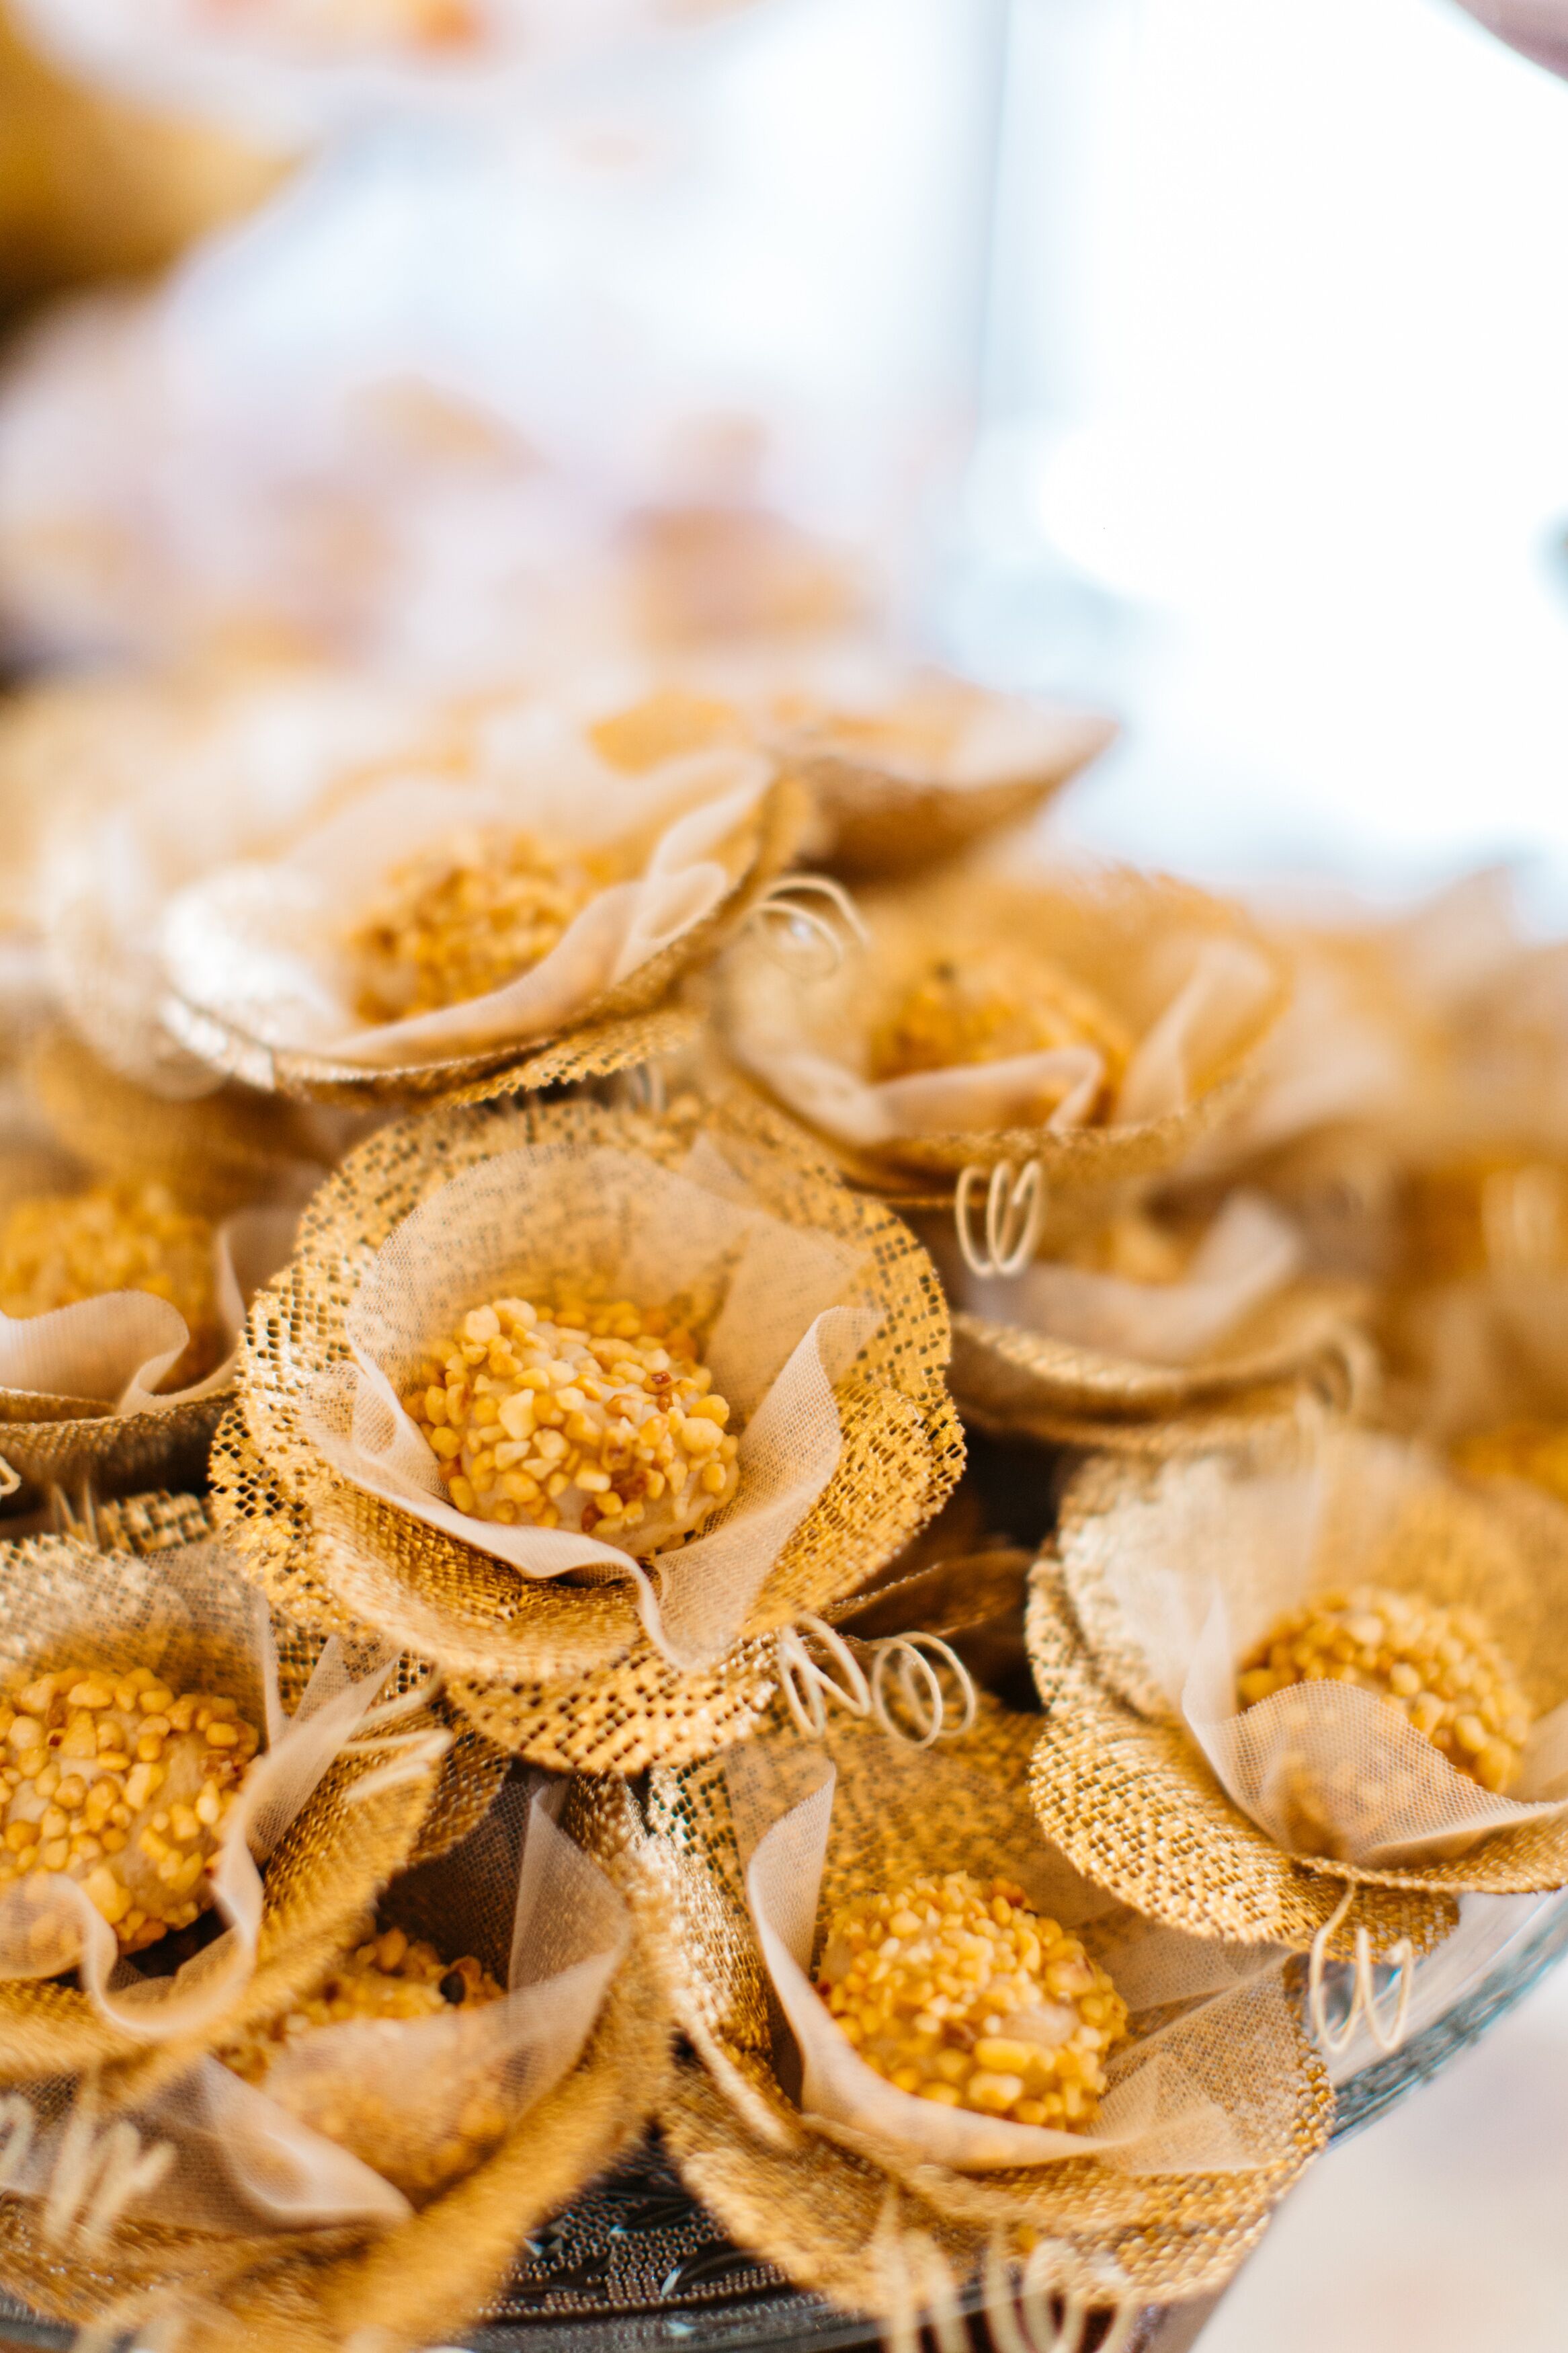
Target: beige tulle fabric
1061,1352
218,1153
402,2283
335,1554
255,957
352,2122
905,770
328,1832
1178,1575
1134,1804
1226,2081
1193,983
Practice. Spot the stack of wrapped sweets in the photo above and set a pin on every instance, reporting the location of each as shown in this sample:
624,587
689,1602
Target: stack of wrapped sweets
513,1206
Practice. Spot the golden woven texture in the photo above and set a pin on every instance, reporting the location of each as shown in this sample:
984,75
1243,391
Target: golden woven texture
607,1034
60,1442
216,1153
141,1523
1495,1547
1136,1807
564,1673
417,2284
885,802
327,1867
802,2199
1009,1379
1112,931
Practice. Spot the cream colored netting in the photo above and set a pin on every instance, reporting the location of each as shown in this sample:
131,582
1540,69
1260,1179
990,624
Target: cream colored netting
778,1344
263,947
1248,1256
1197,1570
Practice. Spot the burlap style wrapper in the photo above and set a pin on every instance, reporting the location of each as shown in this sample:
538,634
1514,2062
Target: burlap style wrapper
246,1029
745,2147
1195,986
415,2286
926,768
328,1865
1143,1552
1058,1352
331,1556
216,1153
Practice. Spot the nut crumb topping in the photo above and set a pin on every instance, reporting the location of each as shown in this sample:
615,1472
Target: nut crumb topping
989,1005
57,1249
388,1977
958,1993
592,1416
1438,1667
121,1784
468,917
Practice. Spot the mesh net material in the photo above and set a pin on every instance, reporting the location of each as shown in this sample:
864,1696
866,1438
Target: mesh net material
1068,1346
218,1153
331,1554
184,1614
261,988
1195,986
928,769
1178,1575
962,1808
1134,1806
417,2283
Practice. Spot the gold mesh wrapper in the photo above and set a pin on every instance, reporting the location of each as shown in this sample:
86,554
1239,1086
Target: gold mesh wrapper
329,1864
218,1151
564,1673
1496,1552
1185,978
420,2283
859,2222
61,1441
608,1032
1009,1379
925,776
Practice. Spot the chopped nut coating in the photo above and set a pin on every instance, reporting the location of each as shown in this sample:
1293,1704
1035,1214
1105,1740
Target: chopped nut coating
591,1416
1438,1667
957,1993
389,1977
421,2119
57,1249
988,1006
110,1780
466,918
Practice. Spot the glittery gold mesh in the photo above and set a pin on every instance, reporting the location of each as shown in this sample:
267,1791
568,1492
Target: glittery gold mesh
328,1866
1113,931
417,2284
59,1441
1135,1806
607,1033
218,1153
1009,1378
817,2207
566,1674
883,793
